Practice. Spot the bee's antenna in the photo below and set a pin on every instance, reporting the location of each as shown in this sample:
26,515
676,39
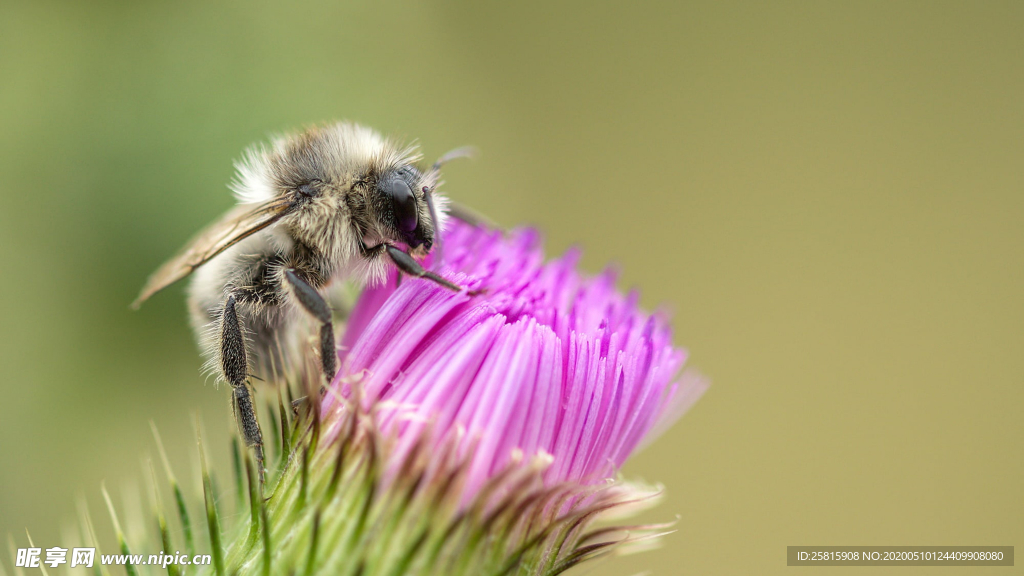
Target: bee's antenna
463,152
428,194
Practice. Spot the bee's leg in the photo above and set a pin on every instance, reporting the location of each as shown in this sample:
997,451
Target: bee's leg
311,300
410,266
236,370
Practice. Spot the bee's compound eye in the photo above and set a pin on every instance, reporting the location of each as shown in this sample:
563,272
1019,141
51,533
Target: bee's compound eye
402,201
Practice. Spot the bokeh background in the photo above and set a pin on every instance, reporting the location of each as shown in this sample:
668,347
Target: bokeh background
830,197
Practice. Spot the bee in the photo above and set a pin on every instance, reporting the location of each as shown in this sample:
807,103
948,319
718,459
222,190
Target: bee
333,202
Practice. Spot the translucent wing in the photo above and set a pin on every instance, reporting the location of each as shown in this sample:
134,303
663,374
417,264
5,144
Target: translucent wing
238,224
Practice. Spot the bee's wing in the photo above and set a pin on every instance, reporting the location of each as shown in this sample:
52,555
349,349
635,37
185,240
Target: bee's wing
236,225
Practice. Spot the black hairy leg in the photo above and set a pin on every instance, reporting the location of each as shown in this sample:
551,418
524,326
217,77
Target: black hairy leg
410,266
235,367
248,426
312,302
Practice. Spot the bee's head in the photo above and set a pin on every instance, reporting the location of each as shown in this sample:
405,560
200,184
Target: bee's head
404,206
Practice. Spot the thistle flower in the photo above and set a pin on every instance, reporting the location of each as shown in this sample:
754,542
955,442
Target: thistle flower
475,433
502,413
543,363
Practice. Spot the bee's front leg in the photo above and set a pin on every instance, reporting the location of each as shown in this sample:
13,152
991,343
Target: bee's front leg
312,302
235,366
410,266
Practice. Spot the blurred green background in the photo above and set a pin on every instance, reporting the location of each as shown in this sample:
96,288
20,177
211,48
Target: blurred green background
830,197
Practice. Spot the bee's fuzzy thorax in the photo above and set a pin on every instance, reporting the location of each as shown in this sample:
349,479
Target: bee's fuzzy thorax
337,153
